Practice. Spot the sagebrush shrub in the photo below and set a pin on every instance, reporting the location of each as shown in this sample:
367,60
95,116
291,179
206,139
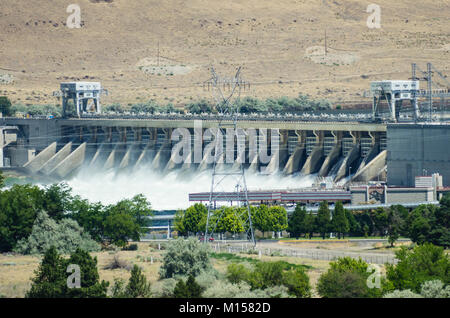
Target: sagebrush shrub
66,236
185,257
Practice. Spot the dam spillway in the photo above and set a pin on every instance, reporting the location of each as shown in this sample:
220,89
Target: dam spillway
332,149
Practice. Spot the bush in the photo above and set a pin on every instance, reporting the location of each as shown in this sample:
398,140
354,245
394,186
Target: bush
50,279
425,262
297,283
137,286
269,275
190,289
237,273
163,288
66,236
131,247
435,289
347,278
5,106
185,257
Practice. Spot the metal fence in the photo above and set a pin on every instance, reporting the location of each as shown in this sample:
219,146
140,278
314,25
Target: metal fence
316,254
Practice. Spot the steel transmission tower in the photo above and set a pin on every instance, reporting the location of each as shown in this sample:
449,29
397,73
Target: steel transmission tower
226,92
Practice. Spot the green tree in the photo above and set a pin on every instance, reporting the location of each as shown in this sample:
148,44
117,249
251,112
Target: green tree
339,222
229,221
178,223
346,278
91,216
323,219
137,285
185,257
66,236
51,278
278,218
296,223
237,273
19,206
56,200
425,262
261,218
194,220
310,224
5,106
91,287
121,227
190,289
139,208
297,282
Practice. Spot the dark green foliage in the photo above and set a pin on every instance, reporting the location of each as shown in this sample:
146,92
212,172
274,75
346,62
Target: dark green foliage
260,218
323,219
90,285
137,285
425,262
296,223
237,273
37,110
131,247
190,289
51,278
120,227
339,223
270,274
347,277
199,107
18,209
194,219
297,282
5,106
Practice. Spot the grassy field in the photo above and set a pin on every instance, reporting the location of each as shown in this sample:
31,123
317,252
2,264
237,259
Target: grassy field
16,271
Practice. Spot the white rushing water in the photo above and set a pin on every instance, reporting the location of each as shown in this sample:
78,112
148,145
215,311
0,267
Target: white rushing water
169,191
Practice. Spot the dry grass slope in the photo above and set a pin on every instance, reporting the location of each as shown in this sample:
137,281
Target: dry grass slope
272,40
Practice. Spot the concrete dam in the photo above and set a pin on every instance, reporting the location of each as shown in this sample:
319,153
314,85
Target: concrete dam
60,148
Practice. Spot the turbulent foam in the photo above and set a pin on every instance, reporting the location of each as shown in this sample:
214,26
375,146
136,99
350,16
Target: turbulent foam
169,191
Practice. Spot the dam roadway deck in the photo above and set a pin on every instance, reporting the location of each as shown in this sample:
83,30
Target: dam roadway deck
293,124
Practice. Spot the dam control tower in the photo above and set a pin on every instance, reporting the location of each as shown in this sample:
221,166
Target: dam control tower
85,97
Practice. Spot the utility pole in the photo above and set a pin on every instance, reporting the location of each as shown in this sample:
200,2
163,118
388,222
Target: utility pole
227,110
158,53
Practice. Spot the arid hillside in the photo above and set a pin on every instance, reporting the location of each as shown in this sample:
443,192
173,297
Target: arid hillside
144,49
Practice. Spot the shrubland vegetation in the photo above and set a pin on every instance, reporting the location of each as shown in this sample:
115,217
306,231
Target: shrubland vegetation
246,105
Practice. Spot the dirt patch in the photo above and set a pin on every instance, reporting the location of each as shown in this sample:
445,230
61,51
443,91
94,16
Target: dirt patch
162,66
6,78
318,55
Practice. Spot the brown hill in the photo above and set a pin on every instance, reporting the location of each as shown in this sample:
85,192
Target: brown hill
280,45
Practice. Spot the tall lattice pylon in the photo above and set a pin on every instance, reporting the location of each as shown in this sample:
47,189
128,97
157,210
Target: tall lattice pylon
226,92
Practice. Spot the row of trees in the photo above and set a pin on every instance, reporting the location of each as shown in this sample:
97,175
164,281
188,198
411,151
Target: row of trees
230,219
21,205
245,105
425,223
279,105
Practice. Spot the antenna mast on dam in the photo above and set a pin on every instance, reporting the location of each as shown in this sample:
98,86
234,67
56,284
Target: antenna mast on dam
227,108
